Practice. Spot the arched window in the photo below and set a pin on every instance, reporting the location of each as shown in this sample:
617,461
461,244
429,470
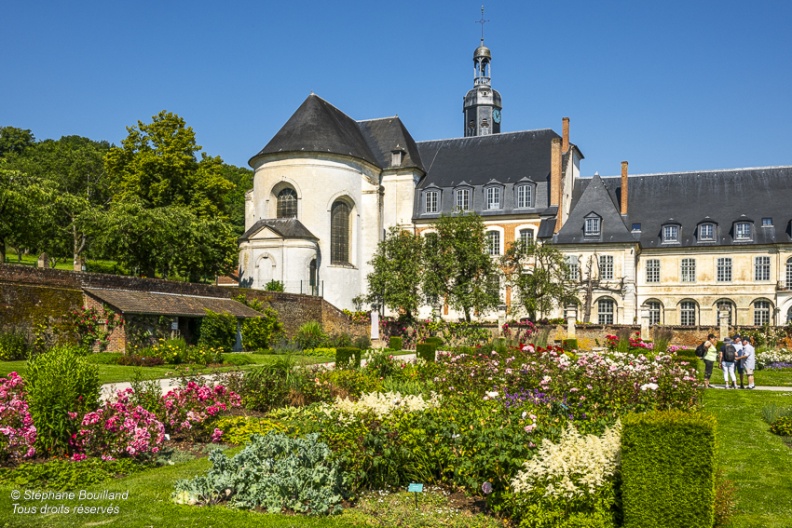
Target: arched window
789,316
605,311
728,306
687,313
789,274
655,312
762,313
287,203
339,233
527,236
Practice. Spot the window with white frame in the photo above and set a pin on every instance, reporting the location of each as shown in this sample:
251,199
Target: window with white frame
706,232
653,270
592,226
493,198
527,236
688,270
605,311
431,199
767,221
493,243
339,233
761,313
606,267
573,270
524,196
687,313
725,305
655,311
462,199
789,274
762,268
670,234
742,231
723,269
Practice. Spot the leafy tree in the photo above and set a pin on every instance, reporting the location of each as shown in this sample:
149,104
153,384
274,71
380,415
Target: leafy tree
398,268
458,267
170,209
25,210
14,139
242,179
540,276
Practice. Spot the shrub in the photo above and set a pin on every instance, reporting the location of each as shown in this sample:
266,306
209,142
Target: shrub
425,352
17,432
436,341
218,330
191,409
60,382
380,363
66,475
664,452
348,382
14,346
237,360
237,430
395,343
310,335
133,360
273,472
343,339
782,426
274,286
362,342
259,332
119,429
662,338
570,344
347,357
171,351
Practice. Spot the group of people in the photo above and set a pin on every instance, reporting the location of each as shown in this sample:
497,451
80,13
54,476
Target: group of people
736,356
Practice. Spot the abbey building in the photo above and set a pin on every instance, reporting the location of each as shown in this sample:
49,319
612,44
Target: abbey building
678,248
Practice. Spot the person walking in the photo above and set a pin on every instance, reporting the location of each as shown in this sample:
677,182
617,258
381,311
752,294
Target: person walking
709,358
749,355
738,363
726,359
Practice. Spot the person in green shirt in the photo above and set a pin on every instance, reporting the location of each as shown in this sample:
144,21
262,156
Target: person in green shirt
709,358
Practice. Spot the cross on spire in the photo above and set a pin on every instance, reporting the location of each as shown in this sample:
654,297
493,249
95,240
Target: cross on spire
482,22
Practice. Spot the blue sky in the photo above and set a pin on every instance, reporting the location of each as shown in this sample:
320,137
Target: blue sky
669,86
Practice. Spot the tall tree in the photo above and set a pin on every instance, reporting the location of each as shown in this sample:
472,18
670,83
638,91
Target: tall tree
15,140
242,179
25,210
170,209
458,267
539,275
398,268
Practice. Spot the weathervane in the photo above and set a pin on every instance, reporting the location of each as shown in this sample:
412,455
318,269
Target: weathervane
482,22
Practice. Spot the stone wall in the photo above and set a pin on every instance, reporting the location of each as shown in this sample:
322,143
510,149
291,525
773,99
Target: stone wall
30,295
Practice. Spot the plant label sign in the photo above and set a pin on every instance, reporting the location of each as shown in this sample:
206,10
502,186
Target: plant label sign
415,488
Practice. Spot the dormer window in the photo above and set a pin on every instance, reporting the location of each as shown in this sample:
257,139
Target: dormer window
462,199
767,222
742,231
431,200
493,197
524,196
636,227
670,234
706,232
592,226
397,158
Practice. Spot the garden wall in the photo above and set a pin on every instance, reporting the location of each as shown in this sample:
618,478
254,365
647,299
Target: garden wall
31,295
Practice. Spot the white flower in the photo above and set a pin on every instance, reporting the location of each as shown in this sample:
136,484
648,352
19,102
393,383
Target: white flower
651,386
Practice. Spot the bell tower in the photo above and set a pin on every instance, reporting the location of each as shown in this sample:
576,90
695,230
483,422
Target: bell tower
482,105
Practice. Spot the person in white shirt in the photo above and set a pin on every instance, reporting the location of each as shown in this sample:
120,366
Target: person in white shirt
738,364
749,361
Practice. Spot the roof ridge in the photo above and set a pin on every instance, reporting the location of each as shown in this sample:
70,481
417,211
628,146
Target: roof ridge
707,171
488,136
378,118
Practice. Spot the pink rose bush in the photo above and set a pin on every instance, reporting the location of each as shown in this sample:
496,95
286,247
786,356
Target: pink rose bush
118,429
191,409
17,432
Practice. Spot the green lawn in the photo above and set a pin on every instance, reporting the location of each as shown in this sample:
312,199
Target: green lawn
118,373
757,461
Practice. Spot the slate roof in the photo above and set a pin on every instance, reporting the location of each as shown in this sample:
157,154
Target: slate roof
285,227
722,197
317,126
594,200
155,303
386,135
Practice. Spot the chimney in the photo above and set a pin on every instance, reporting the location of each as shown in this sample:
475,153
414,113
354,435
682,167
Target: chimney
555,171
624,189
565,135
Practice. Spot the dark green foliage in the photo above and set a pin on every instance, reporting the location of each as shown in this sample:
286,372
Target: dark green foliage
104,358
570,344
782,426
65,475
58,382
14,345
436,341
133,360
668,470
274,286
362,342
396,343
686,353
259,332
276,385
218,330
310,335
425,351
380,363
348,357
343,339
273,472
238,359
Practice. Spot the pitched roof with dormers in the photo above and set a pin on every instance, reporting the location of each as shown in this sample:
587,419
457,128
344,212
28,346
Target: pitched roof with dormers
689,199
594,200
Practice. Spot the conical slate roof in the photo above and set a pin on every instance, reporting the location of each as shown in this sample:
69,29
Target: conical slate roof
388,134
318,126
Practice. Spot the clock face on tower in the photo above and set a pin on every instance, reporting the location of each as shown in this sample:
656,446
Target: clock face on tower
496,115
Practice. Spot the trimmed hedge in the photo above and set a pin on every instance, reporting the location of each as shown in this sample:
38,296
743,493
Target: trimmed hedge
668,470
436,341
395,343
569,344
345,355
425,351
